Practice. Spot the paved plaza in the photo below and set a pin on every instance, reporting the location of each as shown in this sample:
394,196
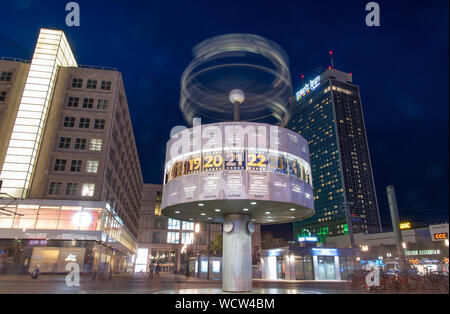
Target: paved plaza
169,284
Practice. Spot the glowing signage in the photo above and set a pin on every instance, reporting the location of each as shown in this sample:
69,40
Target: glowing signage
405,225
307,239
257,160
274,253
440,236
71,258
324,252
439,232
312,85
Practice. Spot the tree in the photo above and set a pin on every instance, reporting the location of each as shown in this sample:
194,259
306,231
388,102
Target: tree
216,246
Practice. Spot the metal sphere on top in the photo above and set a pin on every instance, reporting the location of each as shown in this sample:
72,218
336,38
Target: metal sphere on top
256,65
237,95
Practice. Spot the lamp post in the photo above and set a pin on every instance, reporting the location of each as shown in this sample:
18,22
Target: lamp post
350,230
237,97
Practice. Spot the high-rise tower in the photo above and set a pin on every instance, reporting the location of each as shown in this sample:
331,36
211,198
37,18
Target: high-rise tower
329,115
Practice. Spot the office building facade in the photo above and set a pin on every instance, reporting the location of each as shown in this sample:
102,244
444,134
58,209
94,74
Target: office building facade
68,161
328,114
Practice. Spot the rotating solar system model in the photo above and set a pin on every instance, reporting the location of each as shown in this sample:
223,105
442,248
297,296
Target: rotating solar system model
239,166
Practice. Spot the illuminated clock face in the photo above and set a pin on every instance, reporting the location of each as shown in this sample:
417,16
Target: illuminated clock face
228,227
251,227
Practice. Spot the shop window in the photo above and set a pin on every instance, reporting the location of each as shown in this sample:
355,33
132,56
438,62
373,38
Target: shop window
216,266
173,237
174,224
187,238
186,225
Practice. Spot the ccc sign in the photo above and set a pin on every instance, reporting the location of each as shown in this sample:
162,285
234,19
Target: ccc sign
441,236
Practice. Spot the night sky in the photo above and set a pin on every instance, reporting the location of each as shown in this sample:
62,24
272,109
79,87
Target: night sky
401,67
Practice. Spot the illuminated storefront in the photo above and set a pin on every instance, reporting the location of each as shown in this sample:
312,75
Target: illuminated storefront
306,263
51,233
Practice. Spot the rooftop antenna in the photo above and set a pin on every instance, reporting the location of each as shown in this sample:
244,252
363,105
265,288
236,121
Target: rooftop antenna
331,57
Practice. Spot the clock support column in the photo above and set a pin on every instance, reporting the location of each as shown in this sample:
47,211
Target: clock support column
237,254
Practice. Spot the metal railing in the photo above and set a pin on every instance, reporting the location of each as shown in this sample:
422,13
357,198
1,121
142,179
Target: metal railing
14,59
97,67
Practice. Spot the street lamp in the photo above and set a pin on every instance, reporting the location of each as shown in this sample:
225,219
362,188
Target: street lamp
350,230
237,97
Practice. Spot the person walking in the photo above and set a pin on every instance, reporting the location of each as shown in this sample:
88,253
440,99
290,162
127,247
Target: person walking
151,269
157,270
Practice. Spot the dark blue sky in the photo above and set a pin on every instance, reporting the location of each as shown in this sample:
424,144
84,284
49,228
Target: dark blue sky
401,67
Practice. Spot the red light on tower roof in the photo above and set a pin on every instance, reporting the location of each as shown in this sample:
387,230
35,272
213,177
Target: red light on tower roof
302,76
331,52
350,73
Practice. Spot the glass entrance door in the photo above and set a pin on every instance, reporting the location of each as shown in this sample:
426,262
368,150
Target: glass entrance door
326,267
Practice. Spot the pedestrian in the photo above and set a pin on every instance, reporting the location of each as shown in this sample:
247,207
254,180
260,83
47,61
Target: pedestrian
157,270
36,272
151,268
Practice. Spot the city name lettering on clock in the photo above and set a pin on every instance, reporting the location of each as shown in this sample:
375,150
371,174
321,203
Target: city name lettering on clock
312,85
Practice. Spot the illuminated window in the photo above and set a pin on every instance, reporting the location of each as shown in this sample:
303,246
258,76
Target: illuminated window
173,237
84,123
64,142
2,96
216,266
158,209
102,104
73,102
141,260
69,122
88,189
52,51
92,166
72,188
174,224
80,143
60,165
5,76
54,188
91,84
96,144
186,225
88,103
106,85
187,237
76,165
77,83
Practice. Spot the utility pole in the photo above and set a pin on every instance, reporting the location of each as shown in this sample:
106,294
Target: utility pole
350,230
396,225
